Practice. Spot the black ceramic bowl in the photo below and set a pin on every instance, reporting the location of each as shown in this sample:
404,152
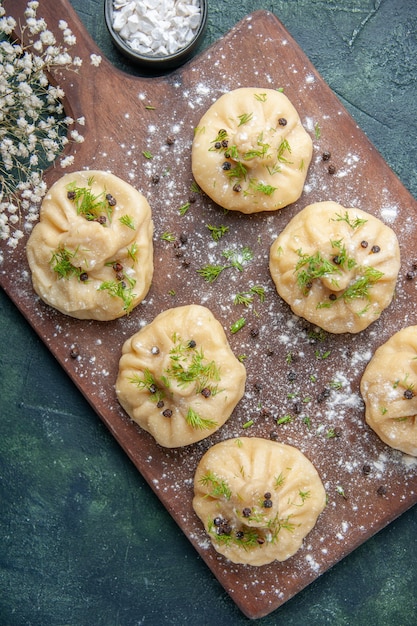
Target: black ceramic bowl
152,63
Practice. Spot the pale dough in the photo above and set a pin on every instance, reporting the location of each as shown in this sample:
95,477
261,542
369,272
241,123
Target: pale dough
178,377
257,499
91,257
250,151
389,390
336,267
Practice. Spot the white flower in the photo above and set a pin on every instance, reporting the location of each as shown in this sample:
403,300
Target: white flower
95,59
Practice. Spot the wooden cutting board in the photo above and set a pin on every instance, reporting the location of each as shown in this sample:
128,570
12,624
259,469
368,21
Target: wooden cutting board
126,116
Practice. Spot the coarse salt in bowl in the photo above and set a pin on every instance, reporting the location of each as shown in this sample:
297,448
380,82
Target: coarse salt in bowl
156,34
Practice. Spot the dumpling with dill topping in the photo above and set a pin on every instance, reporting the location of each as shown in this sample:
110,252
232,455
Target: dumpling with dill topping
257,499
91,254
337,267
178,377
250,151
389,390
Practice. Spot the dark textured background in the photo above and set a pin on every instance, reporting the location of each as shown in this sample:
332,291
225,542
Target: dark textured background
83,538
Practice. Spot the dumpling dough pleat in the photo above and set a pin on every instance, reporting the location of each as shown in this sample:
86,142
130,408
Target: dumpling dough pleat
336,267
250,151
178,378
91,256
389,390
257,499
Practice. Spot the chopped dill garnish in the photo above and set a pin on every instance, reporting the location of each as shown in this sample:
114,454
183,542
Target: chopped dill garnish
127,220
310,267
184,208
268,190
244,118
284,146
210,273
61,263
217,232
261,97
120,290
167,236
236,259
87,204
132,252
218,487
353,223
238,325
147,154
196,421
246,297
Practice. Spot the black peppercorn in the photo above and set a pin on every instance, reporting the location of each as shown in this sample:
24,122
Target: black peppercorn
366,470
192,343
170,141
282,121
206,393
167,413
226,166
408,394
381,491
375,249
74,352
155,179
83,277
237,187
246,512
71,195
111,199
331,169
326,155
364,244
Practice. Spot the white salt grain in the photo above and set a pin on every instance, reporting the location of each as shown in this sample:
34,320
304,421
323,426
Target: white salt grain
156,27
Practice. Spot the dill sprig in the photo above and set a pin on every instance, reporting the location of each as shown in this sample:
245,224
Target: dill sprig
61,263
119,289
353,223
194,420
188,365
127,220
217,232
88,204
236,258
218,487
311,267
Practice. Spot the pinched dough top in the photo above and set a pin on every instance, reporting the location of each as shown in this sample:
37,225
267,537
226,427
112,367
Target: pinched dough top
91,254
389,390
257,498
178,377
250,151
336,267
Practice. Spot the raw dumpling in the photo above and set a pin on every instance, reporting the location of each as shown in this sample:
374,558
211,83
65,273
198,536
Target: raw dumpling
257,499
178,378
389,390
91,254
336,267
250,151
